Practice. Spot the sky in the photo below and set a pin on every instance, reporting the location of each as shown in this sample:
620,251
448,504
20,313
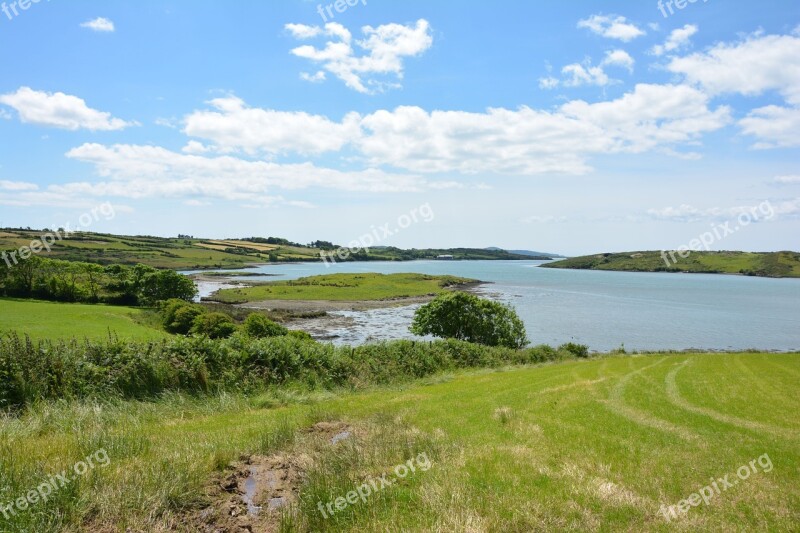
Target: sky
567,127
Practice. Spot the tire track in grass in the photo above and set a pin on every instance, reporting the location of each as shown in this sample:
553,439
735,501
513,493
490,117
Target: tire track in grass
616,404
755,379
771,361
673,393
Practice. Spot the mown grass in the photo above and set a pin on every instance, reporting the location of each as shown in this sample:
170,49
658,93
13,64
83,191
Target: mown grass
594,445
775,265
345,287
51,320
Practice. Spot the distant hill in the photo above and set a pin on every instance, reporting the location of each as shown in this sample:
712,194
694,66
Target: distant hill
529,253
770,265
190,253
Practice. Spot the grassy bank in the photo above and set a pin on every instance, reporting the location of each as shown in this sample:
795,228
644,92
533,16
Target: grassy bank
516,450
50,320
772,265
345,287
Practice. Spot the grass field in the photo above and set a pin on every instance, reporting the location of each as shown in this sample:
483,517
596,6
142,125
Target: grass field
596,445
774,265
51,320
344,287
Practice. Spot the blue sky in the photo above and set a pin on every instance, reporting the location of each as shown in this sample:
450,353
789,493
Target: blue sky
574,127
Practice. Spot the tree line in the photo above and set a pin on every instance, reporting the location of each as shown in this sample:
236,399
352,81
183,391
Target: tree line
69,281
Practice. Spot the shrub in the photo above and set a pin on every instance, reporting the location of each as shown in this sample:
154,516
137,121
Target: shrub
30,372
178,316
214,325
260,327
302,335
578,350
462,316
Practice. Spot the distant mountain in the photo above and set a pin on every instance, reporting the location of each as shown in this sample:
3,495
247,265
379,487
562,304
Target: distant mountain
527,252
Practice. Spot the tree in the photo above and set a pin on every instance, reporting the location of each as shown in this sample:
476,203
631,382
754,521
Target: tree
258,326
463,316
160,285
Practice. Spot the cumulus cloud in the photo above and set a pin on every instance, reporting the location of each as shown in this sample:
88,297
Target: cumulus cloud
787,180
751,67
612,27
232,126
6,185
99,24
619,58
578,74
773,127
520,141
677,40
765,210
382,52
59,110
137,171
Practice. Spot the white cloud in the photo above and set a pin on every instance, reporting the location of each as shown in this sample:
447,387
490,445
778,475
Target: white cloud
233,127
301,31
543,219
528,141
59,110
787,180
577,74
524,141
677,40
773,126
196,147
765,210
135,171
384,47
612,27
751,67
317,77
619,58
6,185
549,82
99,24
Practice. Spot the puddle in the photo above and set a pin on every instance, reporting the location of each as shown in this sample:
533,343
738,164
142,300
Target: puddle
249,497
344,435
277,503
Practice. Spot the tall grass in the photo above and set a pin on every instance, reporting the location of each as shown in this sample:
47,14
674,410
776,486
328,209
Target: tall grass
36,371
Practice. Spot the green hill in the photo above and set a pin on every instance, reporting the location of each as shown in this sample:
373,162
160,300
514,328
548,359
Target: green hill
771,265
189,253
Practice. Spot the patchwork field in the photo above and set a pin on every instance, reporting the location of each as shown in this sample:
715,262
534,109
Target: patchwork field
597,445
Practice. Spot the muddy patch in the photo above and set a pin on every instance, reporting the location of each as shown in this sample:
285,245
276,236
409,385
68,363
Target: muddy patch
252,494
332,432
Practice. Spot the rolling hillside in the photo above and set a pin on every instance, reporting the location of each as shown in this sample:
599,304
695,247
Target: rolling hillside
772,265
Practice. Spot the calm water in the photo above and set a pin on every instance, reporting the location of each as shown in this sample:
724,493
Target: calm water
602,309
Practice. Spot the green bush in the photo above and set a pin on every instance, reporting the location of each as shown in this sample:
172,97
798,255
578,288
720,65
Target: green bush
302,335
463,316
214,325
178,316
259,327
578,350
